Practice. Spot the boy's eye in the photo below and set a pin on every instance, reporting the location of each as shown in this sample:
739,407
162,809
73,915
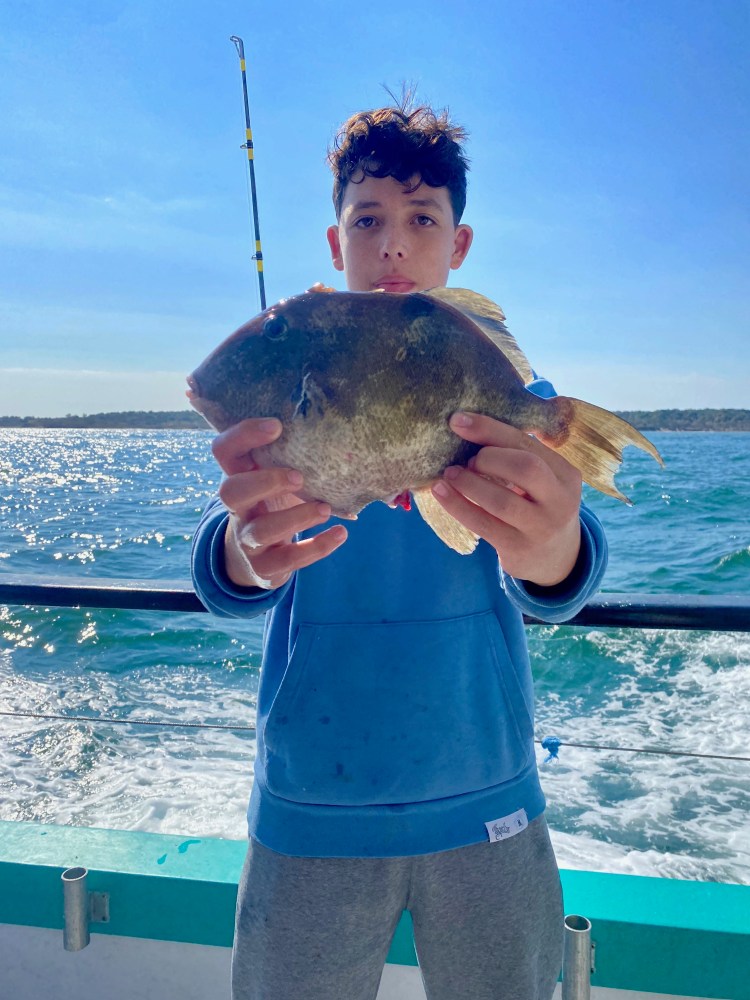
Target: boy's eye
424,220
365,222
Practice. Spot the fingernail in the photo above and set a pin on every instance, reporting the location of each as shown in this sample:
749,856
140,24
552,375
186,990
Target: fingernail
461,420
295,478
270,425
324,509
441,489
452,472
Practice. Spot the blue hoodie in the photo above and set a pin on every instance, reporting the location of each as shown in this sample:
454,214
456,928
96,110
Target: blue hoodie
395,709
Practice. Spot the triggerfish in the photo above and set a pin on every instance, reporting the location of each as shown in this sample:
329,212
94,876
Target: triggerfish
364,384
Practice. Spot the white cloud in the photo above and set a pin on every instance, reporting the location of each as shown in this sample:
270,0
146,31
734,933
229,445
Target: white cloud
39,335
620,386
124,219
53,392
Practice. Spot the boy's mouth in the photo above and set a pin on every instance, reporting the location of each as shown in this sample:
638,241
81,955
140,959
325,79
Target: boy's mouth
395,283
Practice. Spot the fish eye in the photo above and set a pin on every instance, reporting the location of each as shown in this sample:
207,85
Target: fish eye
275,327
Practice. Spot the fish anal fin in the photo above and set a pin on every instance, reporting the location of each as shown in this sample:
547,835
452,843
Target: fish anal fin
445,526
490,319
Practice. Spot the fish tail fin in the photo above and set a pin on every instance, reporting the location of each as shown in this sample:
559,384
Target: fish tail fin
592,439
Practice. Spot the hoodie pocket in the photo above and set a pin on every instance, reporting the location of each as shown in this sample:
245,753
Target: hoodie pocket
404,712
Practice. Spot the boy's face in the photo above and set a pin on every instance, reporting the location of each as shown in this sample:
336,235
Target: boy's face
394,239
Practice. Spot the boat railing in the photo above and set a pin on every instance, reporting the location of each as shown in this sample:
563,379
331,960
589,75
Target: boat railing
723,613
701,928
615,610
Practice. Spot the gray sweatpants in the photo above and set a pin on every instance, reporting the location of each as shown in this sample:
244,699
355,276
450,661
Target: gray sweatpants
487,922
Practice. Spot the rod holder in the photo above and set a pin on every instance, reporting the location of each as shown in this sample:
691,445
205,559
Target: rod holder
80,908
577,958
75,909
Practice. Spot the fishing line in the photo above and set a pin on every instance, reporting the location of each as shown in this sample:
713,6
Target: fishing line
549,743
126,722
553,744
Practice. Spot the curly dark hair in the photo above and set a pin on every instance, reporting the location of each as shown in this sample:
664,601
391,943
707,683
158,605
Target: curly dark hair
403,143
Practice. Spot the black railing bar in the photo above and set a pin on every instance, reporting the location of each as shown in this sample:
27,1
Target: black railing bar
722,613
169,723
129,595
709,613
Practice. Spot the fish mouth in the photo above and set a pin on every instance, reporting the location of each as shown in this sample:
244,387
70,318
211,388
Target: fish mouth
212,412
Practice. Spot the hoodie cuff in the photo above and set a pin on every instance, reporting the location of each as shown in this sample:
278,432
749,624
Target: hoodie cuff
565,599
217,592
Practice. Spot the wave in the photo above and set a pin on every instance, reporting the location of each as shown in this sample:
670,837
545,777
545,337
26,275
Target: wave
740,559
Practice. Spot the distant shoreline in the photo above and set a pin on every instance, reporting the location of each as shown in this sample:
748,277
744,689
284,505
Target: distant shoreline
643,420
170,420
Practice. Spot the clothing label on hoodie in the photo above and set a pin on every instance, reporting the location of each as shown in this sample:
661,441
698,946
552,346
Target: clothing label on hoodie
507,826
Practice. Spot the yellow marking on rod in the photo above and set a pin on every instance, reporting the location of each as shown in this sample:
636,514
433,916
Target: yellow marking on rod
260,266
250,154
249,134
242,65
257,246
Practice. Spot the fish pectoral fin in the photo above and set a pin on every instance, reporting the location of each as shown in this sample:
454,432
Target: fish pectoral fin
490,319
445,526
309,397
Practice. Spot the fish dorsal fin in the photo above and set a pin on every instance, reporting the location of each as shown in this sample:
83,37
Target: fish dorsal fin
445,526
490,318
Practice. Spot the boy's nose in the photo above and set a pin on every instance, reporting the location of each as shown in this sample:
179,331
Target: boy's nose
393,246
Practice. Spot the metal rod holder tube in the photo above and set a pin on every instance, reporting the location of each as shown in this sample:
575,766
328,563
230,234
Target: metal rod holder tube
75,909
576,982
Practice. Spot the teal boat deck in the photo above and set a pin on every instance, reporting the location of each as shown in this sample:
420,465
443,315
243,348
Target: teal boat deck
651,935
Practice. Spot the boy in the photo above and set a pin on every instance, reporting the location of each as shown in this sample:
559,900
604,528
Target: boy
395,766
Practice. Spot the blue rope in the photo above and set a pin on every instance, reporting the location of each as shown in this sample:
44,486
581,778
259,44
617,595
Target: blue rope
552,744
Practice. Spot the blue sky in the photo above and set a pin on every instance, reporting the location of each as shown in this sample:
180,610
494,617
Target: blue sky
609,195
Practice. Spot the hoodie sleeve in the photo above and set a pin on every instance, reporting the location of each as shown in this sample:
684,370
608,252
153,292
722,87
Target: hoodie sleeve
563,601
212,584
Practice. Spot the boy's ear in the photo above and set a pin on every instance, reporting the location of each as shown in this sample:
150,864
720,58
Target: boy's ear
464,236
332,234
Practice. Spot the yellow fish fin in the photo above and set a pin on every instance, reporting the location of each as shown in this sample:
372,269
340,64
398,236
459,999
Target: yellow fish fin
592,439
445,526
490,319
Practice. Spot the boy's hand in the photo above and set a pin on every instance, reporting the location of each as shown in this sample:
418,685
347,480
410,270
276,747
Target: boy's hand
520,496
264,513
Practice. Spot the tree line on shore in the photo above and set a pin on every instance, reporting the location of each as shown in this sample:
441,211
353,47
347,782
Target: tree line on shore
643,420
123,420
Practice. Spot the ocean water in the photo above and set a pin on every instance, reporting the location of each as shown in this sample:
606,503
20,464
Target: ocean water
123,504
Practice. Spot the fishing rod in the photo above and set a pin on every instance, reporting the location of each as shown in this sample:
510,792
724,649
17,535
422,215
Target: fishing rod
248,145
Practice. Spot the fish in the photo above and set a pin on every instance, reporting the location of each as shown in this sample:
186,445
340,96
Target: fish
364,384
